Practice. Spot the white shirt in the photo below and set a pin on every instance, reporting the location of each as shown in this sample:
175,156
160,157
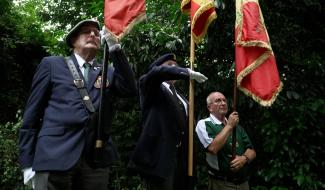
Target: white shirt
202,132
81,62
204,138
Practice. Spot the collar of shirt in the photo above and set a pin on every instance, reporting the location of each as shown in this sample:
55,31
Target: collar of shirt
81,61
215,121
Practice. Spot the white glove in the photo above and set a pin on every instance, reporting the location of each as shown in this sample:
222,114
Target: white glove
197,76
110,39
112,43
29,179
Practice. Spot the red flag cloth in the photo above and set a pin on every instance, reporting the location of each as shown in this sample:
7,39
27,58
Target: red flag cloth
256,70
121,15
202,14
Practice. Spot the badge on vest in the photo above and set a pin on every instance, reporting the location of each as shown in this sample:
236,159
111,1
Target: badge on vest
98,82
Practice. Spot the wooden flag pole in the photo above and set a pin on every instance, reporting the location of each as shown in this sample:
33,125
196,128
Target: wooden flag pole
191,111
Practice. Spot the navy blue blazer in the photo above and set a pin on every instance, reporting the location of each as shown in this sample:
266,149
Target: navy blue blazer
54,134
163,123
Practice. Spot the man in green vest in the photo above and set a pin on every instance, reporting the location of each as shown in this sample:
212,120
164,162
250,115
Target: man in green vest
215,134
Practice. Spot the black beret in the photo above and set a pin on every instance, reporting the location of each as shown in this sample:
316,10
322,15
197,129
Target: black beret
162,59
74,31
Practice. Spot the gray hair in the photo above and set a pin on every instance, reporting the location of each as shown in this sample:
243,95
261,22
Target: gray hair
208,100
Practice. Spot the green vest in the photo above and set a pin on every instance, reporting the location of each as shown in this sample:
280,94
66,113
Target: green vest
224,155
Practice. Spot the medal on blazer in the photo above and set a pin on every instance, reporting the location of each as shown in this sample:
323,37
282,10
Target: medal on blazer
98,82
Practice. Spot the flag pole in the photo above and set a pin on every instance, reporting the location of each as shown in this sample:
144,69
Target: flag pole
191,111
98,151
234,107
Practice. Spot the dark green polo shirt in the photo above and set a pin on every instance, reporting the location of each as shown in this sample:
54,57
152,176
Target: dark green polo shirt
224,155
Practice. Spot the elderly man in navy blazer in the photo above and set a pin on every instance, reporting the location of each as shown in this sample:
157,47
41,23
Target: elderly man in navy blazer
57,135
160,155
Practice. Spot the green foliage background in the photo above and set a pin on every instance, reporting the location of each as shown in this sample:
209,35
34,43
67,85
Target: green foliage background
288,136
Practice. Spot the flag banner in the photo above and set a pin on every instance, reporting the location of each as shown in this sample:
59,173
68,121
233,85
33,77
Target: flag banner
202,13
256,69
121,15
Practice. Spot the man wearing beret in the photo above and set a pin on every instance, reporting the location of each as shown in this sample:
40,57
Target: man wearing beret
160,154
57,136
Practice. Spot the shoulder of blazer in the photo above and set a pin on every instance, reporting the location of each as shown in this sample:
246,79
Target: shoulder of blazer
53,59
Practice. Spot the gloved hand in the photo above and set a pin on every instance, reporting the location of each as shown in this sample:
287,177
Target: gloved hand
29,179
197,76
112,42
105,35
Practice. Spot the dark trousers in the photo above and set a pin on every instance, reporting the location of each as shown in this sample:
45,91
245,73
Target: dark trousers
217,184
175,181
80,177
152,184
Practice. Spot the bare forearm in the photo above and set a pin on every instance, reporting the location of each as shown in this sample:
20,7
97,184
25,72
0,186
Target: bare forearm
250,154
220,139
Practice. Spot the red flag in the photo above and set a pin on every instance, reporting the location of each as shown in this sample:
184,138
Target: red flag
256,70
202,13
121,15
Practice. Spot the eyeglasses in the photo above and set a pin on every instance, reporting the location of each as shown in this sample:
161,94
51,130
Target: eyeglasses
89,31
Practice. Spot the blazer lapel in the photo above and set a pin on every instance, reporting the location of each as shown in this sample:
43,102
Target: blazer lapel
169,95
183,97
